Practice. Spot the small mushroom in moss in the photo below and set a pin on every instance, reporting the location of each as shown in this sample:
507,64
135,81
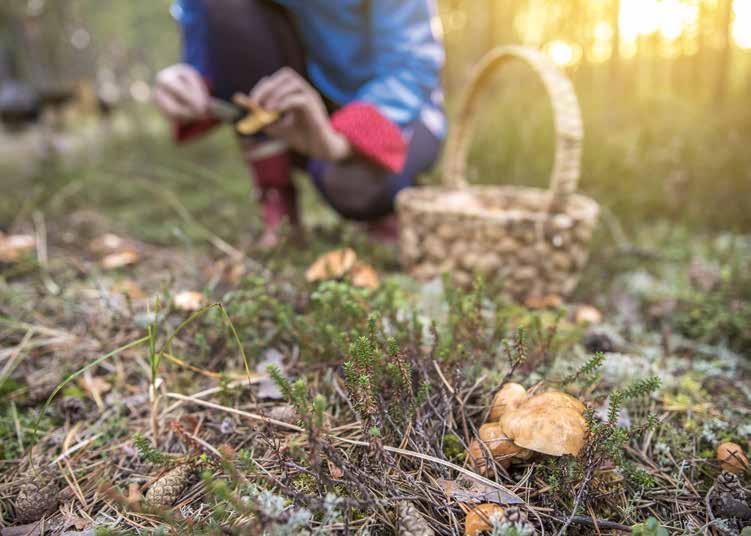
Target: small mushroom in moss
509,397
481,517
550,423
333,265
501,448
732,458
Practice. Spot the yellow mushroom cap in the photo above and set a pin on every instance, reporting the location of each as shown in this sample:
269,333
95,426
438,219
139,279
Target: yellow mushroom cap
554,399
509,397
501,448
732,458
480,517
332,265
550,423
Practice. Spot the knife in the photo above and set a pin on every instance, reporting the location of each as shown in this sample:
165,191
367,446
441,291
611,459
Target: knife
226,111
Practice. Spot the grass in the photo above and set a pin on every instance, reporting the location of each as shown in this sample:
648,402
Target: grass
410,367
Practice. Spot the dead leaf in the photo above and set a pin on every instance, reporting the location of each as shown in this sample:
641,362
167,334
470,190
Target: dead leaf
96,386
333,265
336,472
106,243
364,276
551,301
586,314
465,490
72,520
134,494
189,300
119,259
285,413
13,247
129,288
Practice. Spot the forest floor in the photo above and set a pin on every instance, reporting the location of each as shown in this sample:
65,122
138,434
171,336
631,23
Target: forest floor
137,335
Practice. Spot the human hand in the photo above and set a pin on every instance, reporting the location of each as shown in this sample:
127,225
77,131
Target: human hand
305,124
180,93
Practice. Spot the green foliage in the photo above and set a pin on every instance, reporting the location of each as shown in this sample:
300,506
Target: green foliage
380,380
453,449
607,439
588,371
147,452
311,410
339,314
261,312
651,527
466,329
512,529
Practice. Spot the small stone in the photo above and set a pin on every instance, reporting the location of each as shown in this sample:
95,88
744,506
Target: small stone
283,413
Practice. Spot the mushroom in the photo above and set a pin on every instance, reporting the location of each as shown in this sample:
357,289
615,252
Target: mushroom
553,399
363,275
501,447
551,423
732,458
509,397
480,518
333,265
586,314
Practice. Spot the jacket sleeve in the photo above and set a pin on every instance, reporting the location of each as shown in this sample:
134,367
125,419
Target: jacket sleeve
407,58
194,31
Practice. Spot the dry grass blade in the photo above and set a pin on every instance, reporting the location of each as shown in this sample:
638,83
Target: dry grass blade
508,496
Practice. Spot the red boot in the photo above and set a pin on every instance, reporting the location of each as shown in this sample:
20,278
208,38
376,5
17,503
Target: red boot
385,230
271,167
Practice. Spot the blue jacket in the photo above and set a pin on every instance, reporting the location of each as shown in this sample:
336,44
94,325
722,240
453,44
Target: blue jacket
383,52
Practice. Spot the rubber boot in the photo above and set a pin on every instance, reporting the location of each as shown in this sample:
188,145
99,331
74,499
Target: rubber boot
271,168
384,230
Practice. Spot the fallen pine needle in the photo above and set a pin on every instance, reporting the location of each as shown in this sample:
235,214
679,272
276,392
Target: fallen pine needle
510,497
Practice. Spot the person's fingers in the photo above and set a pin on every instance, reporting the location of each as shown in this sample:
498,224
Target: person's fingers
169,105
262,88
275,99
282,128
293,101
175,87
269,86
196,94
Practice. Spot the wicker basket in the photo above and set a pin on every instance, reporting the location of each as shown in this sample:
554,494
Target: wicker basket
533,241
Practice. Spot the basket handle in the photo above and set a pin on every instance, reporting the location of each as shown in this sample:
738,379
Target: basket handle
567,117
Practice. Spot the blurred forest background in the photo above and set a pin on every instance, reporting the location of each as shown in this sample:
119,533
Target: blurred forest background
664,86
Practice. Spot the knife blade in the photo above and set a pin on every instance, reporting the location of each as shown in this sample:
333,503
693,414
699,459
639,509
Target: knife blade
225,111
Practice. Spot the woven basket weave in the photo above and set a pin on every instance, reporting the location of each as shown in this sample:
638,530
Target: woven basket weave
533,241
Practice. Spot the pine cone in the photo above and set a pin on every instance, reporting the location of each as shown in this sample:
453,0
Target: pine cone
37,497
729,500
166,490
597,341
516,516
729,483
411,522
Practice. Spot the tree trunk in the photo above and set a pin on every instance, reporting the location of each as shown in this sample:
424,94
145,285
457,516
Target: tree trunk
723,65
615,58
